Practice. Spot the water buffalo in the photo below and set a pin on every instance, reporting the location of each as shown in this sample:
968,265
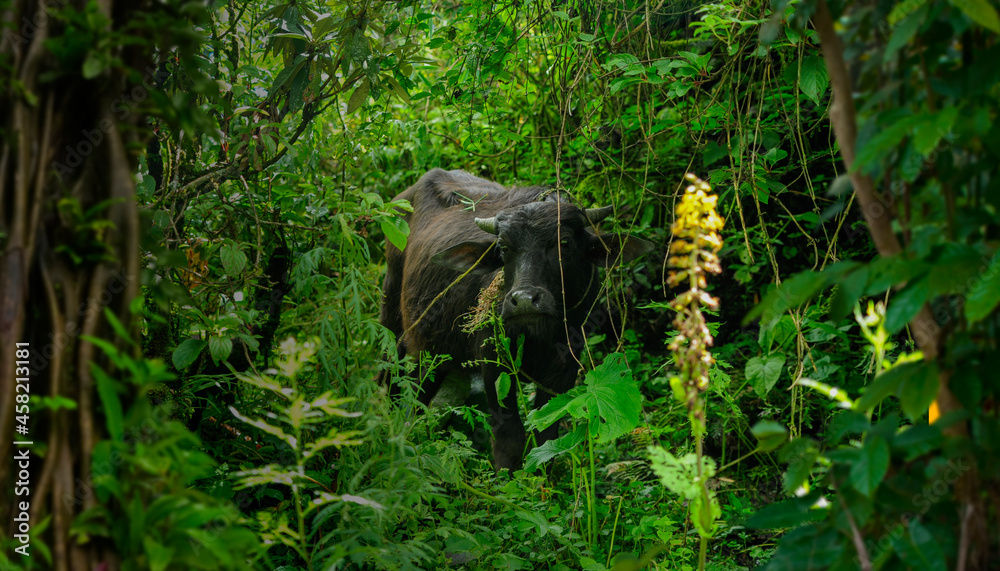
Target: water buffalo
463,223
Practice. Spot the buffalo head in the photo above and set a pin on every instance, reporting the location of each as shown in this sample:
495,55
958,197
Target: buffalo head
548,251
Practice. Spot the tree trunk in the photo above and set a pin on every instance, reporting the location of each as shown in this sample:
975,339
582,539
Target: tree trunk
65,142
924,328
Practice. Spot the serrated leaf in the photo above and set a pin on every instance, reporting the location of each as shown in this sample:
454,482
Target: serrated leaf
233,260
982,300
541,454
980,12
616,396
187,352
359,96
763,373
814,80
396,231
680,475
555,409
769,435
872,464
268,428
220,347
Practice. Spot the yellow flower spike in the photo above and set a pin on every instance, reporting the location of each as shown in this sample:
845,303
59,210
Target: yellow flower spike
693,255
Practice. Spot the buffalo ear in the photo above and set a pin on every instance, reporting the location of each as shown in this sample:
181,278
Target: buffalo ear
463,256
607,250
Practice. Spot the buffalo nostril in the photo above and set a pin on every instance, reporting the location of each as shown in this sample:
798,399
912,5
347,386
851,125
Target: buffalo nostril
521,297
527,300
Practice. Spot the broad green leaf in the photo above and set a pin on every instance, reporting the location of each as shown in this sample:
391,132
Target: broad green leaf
814,79
769,435
359,96
917,391
906,304
792,293
788,513
850,288
886,272
108,393
957,266
886,384
919,549
885,138
503,386
984,294
800,454
396,230
541,454
846,422
980,12
187,352
763,373
873,462
220,347
932,128
917,440
616,396
778,336
233,260
553,410
812,548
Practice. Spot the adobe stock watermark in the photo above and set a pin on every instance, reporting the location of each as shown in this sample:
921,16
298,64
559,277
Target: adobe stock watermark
921,502
91,139
887,200
29,27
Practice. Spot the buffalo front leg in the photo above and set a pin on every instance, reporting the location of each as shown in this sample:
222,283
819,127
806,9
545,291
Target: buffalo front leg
505,420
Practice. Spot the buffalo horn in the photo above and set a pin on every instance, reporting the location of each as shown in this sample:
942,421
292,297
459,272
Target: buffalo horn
488,224
595,215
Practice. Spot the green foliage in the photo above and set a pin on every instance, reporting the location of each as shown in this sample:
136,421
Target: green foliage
686,478
142,476
608,403
282,149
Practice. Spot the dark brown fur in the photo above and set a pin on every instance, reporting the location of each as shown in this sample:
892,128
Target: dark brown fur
445,240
